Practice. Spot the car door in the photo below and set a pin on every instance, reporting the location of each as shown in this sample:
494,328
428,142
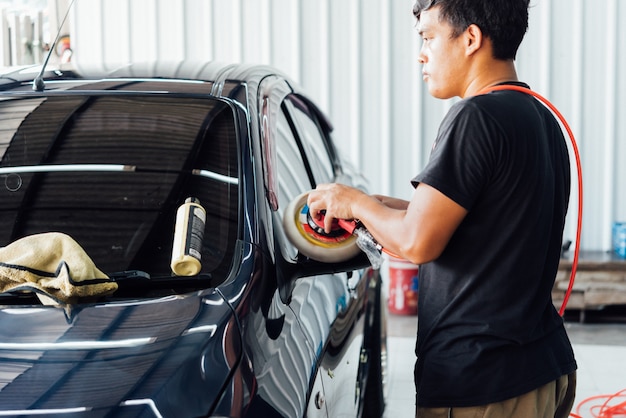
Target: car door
328,307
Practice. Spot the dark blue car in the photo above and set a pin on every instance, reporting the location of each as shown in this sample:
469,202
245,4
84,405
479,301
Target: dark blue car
93,169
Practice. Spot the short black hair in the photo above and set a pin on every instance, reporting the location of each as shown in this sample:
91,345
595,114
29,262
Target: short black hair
505,22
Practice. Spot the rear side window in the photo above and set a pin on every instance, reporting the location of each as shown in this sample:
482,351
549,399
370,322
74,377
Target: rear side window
111,171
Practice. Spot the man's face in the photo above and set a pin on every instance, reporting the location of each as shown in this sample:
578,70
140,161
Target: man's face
442,57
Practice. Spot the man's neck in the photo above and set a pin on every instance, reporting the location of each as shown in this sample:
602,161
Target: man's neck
492,73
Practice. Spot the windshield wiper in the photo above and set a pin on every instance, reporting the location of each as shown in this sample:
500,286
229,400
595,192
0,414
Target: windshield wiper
130,280
138,278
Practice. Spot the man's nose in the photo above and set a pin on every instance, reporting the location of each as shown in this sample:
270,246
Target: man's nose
421,57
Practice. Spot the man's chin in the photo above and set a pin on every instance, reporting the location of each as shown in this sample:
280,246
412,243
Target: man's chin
439,93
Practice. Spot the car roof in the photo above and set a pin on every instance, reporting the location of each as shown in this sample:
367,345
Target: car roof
204,71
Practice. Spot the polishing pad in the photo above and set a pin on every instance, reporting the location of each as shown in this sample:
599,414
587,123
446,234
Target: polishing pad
310,239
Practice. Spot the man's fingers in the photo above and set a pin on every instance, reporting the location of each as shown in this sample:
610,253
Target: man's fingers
324,201
328,223
312,203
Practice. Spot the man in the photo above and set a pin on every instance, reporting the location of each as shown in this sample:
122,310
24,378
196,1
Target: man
485,223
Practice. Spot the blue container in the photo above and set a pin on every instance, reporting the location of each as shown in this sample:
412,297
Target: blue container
619,239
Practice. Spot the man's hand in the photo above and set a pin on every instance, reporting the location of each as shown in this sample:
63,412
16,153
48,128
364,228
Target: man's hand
334,201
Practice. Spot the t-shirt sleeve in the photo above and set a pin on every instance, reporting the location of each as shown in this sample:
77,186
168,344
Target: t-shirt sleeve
462,156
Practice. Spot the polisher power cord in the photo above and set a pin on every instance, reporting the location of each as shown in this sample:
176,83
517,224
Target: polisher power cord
558,114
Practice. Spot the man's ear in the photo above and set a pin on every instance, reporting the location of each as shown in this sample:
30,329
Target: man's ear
473,39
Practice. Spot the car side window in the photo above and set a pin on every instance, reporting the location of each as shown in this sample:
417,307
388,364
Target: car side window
313,142
303,157
293,178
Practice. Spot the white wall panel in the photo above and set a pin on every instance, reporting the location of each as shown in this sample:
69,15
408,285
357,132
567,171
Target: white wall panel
114,40
618,194
344,81
374,107
198,40
143,29
314,49
358,60
408,150
256,30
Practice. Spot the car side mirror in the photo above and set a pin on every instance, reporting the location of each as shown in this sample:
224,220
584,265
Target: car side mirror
309,267
287,272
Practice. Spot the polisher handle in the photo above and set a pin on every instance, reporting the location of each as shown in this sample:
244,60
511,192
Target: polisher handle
349,226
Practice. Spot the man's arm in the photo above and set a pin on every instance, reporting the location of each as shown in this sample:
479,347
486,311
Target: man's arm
418,231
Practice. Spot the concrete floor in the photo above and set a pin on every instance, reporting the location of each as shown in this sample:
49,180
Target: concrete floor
599,344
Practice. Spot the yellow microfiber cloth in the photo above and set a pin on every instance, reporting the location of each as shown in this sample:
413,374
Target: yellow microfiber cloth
54,266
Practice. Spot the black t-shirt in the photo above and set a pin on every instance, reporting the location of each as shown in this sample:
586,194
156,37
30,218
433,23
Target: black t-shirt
487,327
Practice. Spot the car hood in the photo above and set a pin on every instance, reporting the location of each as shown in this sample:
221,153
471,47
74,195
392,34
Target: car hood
160,357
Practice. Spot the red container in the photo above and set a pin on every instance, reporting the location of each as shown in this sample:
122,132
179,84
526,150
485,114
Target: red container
403,287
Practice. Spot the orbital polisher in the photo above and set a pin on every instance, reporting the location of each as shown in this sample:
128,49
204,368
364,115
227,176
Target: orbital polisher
344,241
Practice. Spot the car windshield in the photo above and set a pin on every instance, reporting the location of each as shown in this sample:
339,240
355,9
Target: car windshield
111,170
